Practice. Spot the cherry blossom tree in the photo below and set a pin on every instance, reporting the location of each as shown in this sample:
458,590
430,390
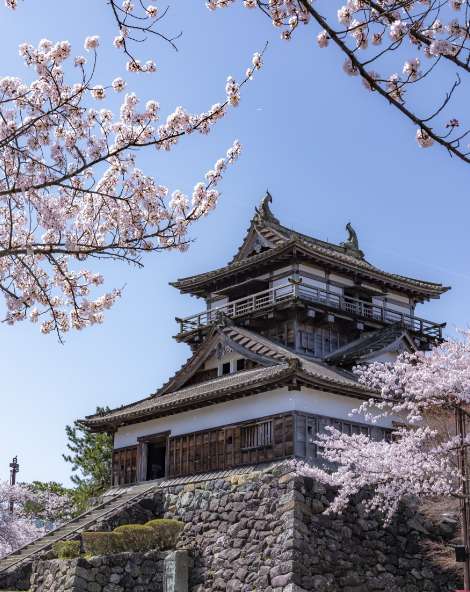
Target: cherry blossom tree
406,51
70,189
33,511
428,394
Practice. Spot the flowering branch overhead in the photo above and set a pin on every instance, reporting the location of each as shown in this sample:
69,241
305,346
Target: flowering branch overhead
383,32
70,189
135,25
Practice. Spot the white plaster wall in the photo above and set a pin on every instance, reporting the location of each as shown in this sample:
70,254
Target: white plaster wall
312,269
341,279
308,281
399,297
335,289
283,281
401,308
238,410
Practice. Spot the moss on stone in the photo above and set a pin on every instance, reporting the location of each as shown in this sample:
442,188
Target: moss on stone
67,549
166,532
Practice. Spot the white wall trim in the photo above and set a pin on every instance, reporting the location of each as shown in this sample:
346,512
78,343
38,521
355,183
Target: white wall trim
247,408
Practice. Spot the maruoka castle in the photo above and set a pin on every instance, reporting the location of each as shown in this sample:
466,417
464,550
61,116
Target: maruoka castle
280,329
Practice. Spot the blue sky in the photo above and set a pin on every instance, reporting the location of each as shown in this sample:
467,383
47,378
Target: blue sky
328,151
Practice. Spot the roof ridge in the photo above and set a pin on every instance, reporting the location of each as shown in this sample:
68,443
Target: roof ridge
264,340
225,378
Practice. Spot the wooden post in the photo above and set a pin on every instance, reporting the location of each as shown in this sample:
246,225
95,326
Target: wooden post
14,469
460,421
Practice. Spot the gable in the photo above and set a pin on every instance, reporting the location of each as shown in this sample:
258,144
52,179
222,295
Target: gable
254,244
205,363
390,352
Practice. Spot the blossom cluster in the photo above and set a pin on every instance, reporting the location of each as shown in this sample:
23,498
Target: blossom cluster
135,22
386,32
420,392
33,512
70,189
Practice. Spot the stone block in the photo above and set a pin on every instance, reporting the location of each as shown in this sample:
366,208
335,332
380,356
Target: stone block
176,572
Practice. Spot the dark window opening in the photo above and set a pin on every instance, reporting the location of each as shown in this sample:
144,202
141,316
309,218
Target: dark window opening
241,364
156,457
226,368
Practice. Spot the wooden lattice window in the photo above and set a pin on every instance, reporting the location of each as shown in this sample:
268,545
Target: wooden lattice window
257,435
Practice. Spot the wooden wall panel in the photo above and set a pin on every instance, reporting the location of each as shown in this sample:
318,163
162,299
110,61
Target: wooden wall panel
222,448
125,465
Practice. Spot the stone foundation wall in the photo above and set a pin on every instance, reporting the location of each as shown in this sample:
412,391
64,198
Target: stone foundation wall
17,578
267,532
125,572
355,553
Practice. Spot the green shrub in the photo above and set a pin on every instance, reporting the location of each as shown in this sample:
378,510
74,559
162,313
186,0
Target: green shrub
166,532
136,537
67,549
102,543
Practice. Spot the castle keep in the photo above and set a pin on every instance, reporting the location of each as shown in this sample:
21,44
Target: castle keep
283,325
271,367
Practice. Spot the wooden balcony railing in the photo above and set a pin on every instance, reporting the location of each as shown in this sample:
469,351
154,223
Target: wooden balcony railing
292,291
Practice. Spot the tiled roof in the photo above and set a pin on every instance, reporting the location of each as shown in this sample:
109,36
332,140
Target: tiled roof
265,347
280,365
280,238
195,394
366,345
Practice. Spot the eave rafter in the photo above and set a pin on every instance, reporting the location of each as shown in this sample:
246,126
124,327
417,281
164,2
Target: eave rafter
292,378
292,249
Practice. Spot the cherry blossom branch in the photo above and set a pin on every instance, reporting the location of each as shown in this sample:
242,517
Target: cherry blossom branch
429,27
70,189
136,27
423,391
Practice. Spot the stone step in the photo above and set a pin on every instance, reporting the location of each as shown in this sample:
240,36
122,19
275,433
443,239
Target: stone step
113,502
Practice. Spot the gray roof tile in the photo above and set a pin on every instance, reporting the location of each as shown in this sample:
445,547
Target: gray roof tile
280,363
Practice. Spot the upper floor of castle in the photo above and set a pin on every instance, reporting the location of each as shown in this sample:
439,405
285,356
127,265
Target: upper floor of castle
312,296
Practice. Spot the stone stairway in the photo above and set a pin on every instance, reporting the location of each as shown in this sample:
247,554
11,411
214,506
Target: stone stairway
113,501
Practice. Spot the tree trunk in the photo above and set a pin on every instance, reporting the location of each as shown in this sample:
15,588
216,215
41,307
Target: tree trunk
464,505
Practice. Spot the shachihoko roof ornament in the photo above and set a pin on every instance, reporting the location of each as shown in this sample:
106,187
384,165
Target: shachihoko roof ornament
263,211
351,245
278,241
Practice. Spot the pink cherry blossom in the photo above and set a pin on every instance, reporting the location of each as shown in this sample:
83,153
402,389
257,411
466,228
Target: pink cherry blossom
71,191
420,392
381,35
20,527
